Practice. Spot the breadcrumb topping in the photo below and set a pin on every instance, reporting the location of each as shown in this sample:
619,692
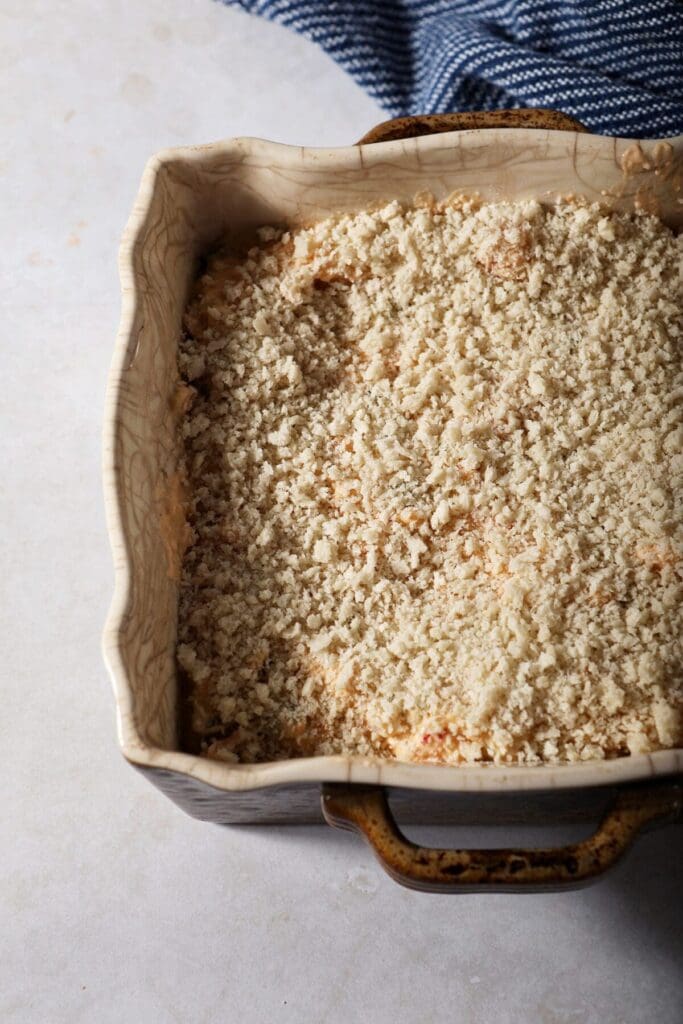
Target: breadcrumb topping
435,464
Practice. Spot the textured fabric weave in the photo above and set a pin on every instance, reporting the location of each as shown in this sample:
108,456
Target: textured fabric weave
616,65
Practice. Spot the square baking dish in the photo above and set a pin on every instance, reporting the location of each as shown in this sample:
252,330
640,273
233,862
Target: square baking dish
189,200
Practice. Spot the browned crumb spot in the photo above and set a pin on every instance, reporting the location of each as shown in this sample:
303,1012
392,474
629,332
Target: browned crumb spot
507,256
659,557
176,532
182,399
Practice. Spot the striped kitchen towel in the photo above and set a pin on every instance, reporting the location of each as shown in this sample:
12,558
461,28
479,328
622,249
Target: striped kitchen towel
616,65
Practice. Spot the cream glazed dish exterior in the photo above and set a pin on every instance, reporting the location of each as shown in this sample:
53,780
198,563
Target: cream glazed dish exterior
190,200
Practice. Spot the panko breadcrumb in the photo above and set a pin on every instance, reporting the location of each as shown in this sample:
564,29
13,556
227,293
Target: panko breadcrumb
435,456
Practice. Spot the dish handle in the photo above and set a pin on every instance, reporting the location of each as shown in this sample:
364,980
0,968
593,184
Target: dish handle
365,810
434,124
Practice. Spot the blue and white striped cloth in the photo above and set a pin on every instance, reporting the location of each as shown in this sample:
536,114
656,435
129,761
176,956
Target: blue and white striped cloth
616,65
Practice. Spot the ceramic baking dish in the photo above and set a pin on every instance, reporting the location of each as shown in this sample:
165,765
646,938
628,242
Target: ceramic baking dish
191,198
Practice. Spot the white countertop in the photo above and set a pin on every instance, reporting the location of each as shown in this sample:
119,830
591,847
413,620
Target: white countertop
115,906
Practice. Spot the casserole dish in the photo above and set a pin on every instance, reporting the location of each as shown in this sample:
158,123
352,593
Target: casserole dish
189,200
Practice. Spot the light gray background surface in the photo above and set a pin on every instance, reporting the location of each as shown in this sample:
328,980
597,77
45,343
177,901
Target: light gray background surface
114,906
